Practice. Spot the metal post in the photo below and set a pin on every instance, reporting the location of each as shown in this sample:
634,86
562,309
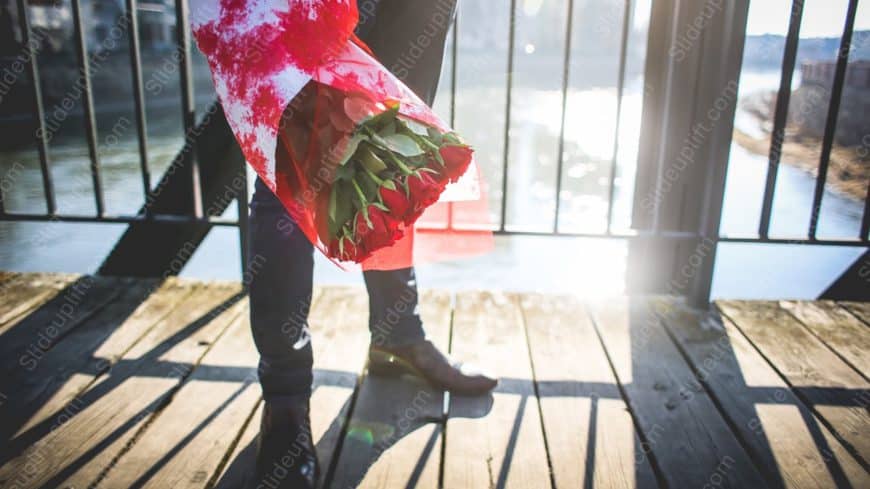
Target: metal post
688,110
507,114
566,72
38,112
139,99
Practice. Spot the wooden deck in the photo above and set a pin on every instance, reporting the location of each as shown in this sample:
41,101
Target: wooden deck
120,383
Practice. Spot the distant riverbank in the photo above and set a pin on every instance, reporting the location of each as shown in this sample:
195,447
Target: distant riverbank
848,172
849,169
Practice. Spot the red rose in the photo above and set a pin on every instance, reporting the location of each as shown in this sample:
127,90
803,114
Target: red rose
456,160
424,191
384,231
347,252
396,201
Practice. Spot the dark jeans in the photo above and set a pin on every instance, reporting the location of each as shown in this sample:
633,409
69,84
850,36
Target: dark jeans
280,297
408,37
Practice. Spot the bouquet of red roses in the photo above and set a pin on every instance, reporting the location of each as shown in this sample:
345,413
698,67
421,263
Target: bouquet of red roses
350,151
383,169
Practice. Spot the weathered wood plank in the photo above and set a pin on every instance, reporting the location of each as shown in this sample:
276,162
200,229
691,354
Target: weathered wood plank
237,472
38,332
186,443
837,393
847,335
859,309
590,434
496,440
96,427
21,294
390,441
339,328
43,386
793,449
340,336
689,440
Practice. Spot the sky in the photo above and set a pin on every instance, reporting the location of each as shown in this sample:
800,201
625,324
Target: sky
822,18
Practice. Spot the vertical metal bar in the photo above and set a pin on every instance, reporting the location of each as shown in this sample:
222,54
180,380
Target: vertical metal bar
781,115
833,113
865,222
454,59
139,99
37,107
454,56
507,115
566,71
188,106
88,106
620,90
242,204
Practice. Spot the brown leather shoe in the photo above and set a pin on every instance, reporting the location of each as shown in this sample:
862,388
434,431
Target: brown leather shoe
424,360
286,457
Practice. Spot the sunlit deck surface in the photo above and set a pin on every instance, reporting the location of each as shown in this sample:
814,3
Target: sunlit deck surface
118,383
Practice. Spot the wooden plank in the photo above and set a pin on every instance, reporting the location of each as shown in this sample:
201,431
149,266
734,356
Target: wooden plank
792,448
834,390
23,293
390,440
43,386
859,309
495,440
29,339
96,427
237,472
340,336
189,439
339,328
590,433
847,335
680,423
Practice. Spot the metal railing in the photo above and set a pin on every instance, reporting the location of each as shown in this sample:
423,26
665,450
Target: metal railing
187,156
189,159
501,227
778,138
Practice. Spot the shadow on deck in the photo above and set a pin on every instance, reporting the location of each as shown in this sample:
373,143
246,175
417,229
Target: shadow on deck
114,382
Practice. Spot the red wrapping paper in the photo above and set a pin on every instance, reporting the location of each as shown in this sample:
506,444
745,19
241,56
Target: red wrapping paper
261,54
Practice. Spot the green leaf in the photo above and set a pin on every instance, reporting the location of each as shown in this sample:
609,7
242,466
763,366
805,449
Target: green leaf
435,135
345,172
421,138
377,121
344,209
360,195
369,187
377,141
453,138
370,160
352,145
399,164
438,157
388,129
414,126
332,194
403,144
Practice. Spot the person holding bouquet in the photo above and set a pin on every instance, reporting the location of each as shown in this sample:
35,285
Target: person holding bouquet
358,157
